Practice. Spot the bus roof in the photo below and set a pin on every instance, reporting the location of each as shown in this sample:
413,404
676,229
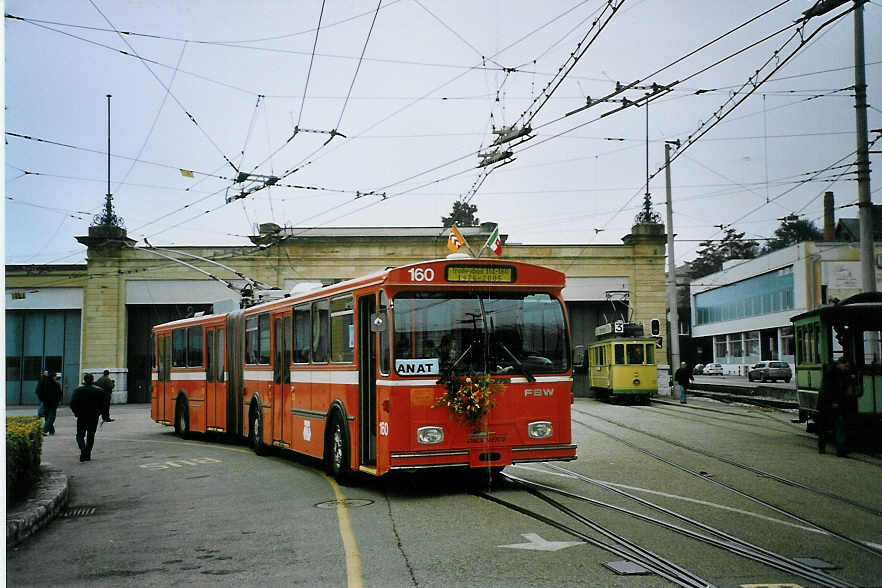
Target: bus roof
470,275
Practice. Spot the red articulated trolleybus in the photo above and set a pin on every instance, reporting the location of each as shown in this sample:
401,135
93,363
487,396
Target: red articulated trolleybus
447,363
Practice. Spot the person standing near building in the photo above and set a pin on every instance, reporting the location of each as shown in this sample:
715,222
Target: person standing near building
49,393
106,384
683,376
87,405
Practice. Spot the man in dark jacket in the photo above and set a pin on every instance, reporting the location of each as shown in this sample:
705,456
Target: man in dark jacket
106,384
87,405
683,376
49,393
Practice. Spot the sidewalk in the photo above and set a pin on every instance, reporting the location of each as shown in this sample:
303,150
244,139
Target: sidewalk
44,503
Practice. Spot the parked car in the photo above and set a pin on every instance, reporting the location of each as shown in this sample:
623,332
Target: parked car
713,369
765,371
698,369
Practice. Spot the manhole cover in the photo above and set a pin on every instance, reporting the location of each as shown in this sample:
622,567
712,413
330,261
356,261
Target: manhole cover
626,568
77,511
347,502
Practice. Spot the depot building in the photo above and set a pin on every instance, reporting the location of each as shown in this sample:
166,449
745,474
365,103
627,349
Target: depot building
85,318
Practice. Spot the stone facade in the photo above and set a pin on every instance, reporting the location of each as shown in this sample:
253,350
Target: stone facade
326,255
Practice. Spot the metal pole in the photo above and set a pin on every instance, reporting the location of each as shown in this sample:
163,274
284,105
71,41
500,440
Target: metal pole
108,210
673,338
865,205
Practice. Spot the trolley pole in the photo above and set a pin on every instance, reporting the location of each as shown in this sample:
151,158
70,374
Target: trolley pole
865,205
674,328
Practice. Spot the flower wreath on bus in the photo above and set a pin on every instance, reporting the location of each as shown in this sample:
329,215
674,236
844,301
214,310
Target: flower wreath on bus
469,398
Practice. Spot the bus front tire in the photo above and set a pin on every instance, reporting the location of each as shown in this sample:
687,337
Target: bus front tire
338,451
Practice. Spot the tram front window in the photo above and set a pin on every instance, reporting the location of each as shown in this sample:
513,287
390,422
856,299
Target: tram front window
438,333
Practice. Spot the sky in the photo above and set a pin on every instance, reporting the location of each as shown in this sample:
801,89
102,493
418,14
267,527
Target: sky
415,89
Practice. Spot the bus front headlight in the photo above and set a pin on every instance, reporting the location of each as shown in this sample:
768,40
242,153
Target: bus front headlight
430,435
539,430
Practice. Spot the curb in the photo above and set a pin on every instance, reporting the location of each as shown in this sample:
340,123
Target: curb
49,496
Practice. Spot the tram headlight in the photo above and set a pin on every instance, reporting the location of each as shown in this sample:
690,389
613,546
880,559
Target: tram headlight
430,435
539,430
636,381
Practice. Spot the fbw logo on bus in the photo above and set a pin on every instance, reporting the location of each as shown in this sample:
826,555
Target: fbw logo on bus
538,392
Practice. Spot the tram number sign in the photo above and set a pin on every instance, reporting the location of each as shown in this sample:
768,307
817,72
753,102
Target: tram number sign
504,274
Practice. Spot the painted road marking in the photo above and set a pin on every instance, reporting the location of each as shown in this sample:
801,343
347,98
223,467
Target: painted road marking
179,463
537,543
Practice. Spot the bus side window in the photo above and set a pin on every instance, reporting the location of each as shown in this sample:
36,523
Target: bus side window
302,333
620,354
179,347
251,340
263,346
320,330
383,350
194,346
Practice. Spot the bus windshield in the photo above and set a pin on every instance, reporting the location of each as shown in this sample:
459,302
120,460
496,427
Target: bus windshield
452,333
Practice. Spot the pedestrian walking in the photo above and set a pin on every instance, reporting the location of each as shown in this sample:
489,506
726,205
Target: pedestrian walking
49,393
837,401
87,405
683,376
106,384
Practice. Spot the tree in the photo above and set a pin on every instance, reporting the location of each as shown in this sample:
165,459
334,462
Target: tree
462,215
712,253
791,232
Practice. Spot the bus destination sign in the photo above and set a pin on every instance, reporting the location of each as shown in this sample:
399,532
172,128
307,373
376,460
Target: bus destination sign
500,274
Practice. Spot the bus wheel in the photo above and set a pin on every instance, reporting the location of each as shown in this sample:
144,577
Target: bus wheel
182,419
255,431
337,452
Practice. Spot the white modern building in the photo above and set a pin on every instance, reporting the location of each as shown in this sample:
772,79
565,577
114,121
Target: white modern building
741,314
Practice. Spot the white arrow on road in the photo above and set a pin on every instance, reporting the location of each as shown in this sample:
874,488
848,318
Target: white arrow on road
537,543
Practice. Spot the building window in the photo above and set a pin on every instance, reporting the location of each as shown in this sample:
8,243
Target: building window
787,343
752,346
720,348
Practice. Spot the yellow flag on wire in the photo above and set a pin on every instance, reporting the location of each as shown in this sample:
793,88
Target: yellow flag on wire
456,240
186,173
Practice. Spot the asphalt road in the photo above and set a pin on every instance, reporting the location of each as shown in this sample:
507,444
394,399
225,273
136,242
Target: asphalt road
204,512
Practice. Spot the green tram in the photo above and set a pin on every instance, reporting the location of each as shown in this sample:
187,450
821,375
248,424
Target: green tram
621,363
848,330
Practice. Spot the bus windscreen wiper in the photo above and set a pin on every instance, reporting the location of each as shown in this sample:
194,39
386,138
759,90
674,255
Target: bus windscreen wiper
449,372
518,363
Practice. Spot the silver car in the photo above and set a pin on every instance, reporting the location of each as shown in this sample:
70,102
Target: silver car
766,371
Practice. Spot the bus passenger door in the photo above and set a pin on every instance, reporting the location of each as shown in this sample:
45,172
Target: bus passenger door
220,379
367,382
210,371
166,392
281,374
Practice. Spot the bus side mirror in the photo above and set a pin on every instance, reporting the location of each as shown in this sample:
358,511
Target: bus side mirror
378,322
579,356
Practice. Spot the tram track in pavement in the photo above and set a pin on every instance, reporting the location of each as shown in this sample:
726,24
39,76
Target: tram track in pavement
671,408
623,547
712,415
721,458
